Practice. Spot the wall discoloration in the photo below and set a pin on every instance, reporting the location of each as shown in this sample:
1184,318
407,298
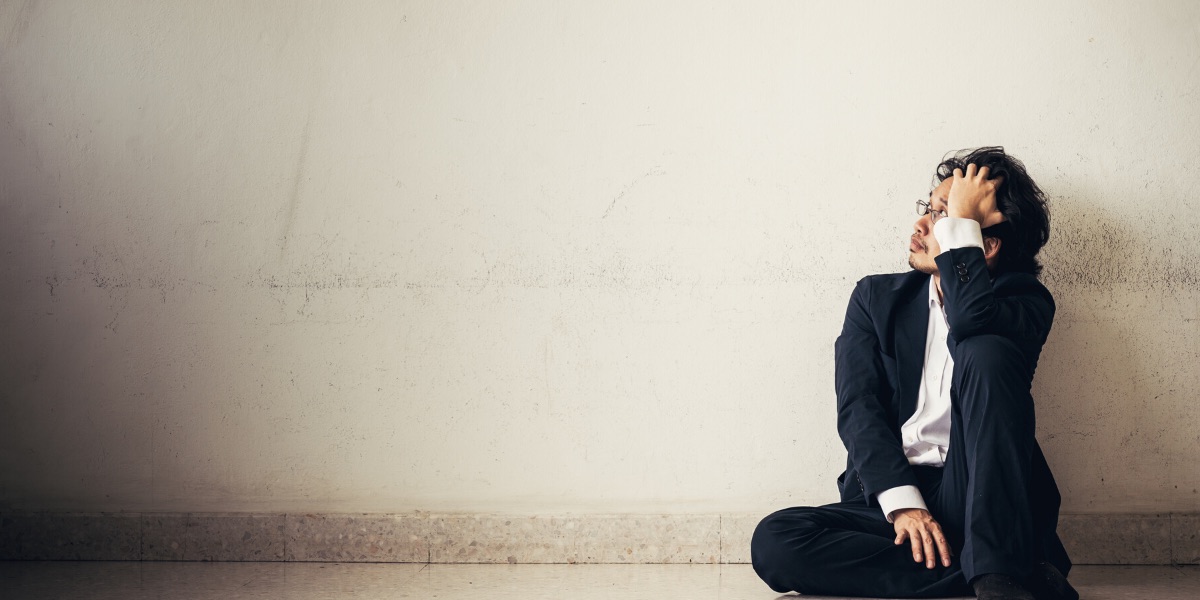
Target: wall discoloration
289,219
375,258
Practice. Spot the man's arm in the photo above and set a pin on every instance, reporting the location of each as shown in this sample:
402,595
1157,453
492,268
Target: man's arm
1025,313
874,449
1026,310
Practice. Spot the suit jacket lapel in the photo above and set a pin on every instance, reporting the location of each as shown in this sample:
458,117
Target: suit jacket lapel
912,325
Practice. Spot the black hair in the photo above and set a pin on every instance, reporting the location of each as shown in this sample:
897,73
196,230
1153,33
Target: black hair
1026,227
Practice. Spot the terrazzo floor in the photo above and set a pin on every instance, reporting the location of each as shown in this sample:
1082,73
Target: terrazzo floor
303,581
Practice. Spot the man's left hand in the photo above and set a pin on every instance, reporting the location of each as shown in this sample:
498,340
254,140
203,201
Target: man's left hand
973,196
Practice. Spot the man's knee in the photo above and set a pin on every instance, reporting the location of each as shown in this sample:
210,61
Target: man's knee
775,559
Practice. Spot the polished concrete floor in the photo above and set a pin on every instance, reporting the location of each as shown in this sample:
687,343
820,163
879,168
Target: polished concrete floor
302,581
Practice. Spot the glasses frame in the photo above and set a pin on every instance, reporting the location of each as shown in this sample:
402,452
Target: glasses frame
924,208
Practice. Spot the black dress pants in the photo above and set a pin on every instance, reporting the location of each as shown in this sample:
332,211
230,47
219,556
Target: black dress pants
980,497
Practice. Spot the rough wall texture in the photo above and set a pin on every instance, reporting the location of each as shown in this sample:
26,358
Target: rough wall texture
556,257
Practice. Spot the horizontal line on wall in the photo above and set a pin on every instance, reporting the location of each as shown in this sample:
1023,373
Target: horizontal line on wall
421,537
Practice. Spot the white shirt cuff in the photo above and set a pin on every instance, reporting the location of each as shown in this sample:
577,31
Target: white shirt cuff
954,232
904,496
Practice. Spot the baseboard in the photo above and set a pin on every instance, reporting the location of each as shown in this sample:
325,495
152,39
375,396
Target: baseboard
423,537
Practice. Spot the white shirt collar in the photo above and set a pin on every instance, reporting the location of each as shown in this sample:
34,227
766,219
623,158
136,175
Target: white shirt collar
934,302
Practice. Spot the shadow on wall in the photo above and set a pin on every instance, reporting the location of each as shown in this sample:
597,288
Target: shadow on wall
75,411
1112,385
90,373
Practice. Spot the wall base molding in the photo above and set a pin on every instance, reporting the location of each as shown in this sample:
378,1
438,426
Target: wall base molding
424,537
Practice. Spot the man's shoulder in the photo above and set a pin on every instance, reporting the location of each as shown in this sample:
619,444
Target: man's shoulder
887,284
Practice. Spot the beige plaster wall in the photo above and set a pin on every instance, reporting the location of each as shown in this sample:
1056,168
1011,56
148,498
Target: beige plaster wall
555,257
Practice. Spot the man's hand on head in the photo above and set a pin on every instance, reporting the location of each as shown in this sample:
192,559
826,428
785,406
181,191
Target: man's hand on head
918,526
973,196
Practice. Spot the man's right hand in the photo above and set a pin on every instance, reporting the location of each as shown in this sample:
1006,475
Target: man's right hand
918,526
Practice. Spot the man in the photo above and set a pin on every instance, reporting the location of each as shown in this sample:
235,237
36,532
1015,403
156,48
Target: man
945,492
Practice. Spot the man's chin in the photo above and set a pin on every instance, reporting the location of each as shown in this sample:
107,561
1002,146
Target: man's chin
926,269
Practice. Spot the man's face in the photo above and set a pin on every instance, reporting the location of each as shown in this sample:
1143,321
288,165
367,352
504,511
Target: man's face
923,247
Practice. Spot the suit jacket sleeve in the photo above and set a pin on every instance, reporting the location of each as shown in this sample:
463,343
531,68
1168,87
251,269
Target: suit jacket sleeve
874,447
1015,305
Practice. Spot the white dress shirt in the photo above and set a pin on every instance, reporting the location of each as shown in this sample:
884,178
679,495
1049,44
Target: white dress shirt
926,435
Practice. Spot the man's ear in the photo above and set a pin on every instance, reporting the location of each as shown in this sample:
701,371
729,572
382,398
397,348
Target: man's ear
991,249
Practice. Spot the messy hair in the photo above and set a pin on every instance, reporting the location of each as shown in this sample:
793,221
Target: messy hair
1026,225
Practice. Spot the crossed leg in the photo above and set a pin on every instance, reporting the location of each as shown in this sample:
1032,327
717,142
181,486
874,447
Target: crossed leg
980,497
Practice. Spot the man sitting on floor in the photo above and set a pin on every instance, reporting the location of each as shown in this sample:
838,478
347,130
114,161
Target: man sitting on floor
933,375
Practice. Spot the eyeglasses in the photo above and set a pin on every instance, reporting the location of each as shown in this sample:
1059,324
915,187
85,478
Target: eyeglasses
923,208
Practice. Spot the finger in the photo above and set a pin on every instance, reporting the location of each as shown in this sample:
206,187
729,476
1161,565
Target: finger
901,537
930,557
915,541
993,219
983,172
958,173
942,544
916,546
971,168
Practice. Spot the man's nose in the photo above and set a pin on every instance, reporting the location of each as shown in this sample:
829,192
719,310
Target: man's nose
922,225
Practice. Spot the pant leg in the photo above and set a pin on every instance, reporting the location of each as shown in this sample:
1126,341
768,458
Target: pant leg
985,486
845,549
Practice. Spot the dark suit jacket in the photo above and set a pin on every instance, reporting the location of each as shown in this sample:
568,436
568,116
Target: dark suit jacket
880,354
